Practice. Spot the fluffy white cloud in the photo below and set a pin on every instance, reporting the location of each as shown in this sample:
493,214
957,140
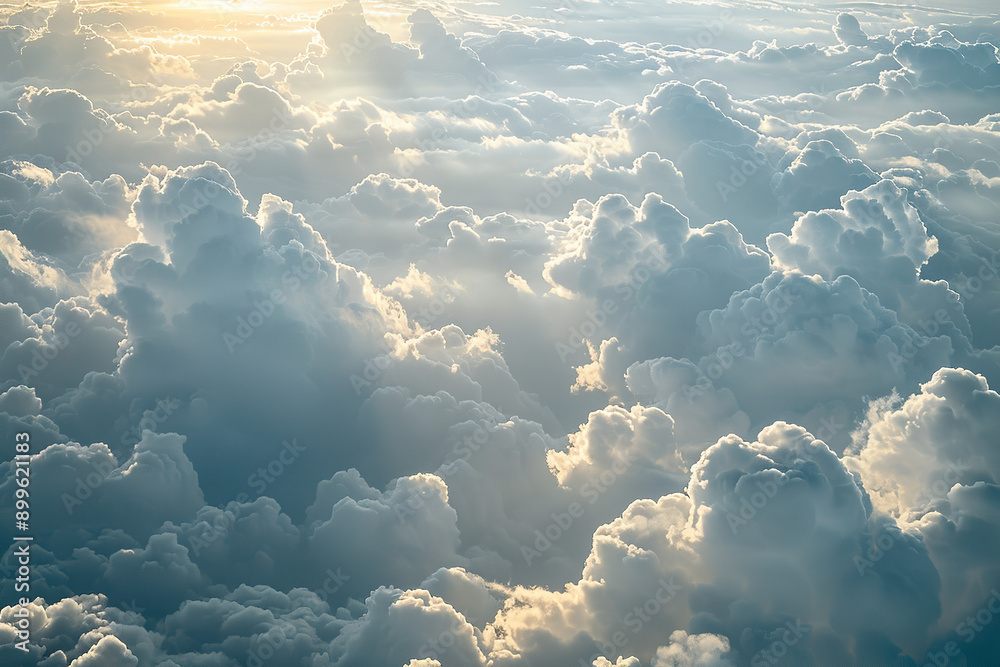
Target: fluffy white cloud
913,452
585,334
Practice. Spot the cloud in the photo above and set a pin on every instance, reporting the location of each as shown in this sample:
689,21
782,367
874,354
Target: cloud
512,335
907,477
818,175
693,651
676,115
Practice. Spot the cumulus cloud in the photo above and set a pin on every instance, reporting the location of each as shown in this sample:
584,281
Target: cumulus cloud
513,335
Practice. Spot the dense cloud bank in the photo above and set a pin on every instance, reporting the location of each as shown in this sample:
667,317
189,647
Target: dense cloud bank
602,334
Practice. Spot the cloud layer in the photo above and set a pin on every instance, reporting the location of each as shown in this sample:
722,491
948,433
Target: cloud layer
602,334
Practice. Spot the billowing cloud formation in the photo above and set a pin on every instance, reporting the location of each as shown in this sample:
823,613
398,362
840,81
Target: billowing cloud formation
595,335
